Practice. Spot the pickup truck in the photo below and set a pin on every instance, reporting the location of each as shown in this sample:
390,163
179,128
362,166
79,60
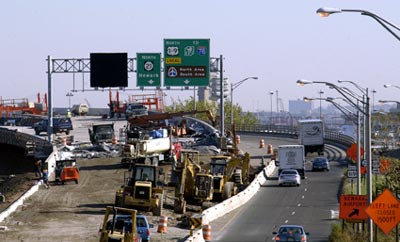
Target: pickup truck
59,125
101,133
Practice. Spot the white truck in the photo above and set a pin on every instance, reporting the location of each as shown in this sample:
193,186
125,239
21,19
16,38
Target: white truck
311,135
291,157
146,147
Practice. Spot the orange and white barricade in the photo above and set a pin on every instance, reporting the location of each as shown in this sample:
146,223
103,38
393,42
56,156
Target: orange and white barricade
270,151
262,143
207,232
162,224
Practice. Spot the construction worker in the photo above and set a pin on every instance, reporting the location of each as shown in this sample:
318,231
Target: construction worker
38,168
69,113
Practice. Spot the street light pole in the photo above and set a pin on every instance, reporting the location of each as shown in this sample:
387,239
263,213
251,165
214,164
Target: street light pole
271,93
320,104
233,87
365,110
325,12
69,95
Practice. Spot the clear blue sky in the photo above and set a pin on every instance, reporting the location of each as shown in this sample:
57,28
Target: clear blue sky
278,41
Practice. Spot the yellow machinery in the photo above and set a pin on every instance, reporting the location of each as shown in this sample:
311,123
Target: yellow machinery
229,174
117,228
141,190
192,183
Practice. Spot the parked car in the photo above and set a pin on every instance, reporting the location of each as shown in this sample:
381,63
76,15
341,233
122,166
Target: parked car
289,177
135,109
291,233
320,164
60,124
143,226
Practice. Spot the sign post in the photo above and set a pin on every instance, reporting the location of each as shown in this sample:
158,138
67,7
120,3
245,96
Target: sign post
186,62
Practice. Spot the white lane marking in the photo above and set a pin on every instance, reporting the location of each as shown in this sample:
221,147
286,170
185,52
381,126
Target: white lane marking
298,205
286,221
302,197
293,213
305,189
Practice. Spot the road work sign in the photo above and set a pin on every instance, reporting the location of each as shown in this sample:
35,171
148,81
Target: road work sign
352,207
385,211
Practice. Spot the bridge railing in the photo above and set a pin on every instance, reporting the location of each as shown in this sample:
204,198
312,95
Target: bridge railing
330,136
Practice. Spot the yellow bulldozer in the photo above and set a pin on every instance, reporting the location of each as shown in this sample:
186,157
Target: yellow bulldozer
192,182
229,174
119,224
142,190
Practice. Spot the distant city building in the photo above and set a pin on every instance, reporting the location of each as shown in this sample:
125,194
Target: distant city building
299,107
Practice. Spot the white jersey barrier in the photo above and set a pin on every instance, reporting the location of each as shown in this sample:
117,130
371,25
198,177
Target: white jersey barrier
232,203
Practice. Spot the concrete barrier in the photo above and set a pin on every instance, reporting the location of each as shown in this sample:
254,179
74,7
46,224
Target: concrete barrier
232,203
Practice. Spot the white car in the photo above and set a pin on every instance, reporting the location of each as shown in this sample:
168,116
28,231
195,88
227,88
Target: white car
289,177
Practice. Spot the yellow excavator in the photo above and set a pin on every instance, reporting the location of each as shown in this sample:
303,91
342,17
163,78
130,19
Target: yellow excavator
193,184
120,227
229,174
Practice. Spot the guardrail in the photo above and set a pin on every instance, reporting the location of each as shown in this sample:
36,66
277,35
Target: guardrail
332,137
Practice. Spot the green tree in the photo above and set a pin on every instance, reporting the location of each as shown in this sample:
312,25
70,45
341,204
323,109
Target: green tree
391,178
240,117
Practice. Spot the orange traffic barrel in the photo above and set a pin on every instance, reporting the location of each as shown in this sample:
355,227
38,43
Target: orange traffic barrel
114,140
262,143
237,139
162,224
207,232
270,151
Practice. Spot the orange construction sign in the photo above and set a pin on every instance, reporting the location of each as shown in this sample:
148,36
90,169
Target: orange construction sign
352,207
352,151
385,211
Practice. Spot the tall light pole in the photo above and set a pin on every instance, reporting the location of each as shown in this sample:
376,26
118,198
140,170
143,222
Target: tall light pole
271,93
233,87
320,103
373,100
325,12
69,95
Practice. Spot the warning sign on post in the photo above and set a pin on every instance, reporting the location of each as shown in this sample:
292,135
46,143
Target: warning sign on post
385,211
352,207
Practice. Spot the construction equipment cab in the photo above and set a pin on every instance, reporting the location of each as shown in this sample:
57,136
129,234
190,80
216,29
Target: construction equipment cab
229,174
119,224
67,170
191,183
141,190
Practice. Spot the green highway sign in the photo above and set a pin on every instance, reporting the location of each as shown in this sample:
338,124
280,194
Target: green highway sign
186,62
148,69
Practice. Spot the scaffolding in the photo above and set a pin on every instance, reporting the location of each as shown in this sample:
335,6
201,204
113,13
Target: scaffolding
154,102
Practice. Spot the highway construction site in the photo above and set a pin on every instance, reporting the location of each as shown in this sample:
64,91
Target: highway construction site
79,208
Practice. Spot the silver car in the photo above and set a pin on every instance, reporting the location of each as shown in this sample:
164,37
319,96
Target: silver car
291,233
289,177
